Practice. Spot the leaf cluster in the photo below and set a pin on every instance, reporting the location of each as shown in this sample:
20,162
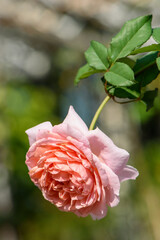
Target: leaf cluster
123,76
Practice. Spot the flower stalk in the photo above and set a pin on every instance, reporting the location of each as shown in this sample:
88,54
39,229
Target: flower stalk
98,112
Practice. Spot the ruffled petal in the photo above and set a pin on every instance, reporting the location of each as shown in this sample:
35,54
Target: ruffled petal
74,121
112,199
82,144
99,209
75,137
32,132
107,176
113,179
101,171
127,173
103,147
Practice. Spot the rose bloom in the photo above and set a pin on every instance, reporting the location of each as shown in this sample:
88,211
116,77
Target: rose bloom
77,170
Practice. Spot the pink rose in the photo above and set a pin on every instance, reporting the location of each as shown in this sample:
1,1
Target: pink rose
76,169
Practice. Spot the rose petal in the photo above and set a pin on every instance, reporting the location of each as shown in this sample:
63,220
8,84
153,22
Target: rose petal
103,147
74,120
72,126
101,170
83,145
128,172
113,179
32,132
112,199
80,170
74,137
99,209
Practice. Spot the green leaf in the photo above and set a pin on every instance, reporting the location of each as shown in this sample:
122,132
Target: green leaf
151,48
144,62
156,34
132,92
84,72
97,56
120,74
149,97
158,63
132,35
148,75
130,62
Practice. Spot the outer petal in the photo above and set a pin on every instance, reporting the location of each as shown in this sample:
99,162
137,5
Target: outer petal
128,172
74,121
32,132
109,179
103,174
99,210
112,200
114,182
102,146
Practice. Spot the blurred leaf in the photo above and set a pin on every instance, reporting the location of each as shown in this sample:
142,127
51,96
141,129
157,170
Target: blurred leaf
152,151
151,48
158,62
96,56
148,75
133,34
84,72
132,92
149,97
120,74
156,34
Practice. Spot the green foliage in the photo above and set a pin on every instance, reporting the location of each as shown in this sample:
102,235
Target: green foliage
131,92
144,62
125,77
96,56
130,62
133,34
120,74
158,62
84,72
148,75
151,48
156,34
149,97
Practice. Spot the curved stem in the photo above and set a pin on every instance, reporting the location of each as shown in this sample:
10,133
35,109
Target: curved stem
98,112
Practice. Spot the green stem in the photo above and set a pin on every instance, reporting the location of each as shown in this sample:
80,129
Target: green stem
98,112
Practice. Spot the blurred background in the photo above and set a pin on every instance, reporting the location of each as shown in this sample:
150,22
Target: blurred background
41,47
